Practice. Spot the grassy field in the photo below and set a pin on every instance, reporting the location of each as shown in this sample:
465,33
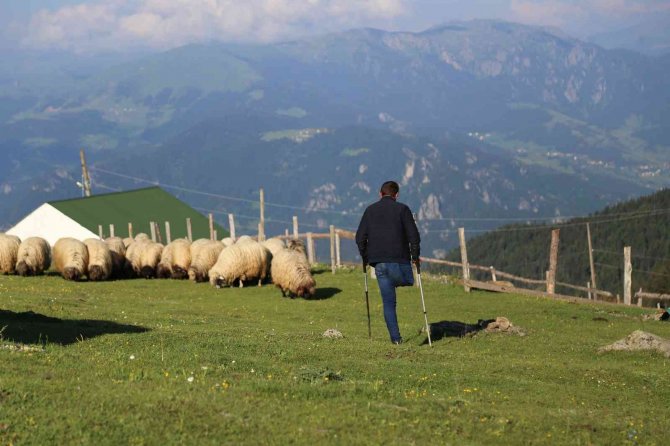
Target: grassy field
166,362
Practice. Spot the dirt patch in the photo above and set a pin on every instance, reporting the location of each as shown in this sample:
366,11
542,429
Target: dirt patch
503,325
640,340
333,334
660,315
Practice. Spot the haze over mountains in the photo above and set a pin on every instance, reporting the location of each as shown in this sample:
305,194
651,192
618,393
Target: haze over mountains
479,119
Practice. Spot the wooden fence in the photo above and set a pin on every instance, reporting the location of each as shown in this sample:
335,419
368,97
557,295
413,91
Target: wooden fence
542,287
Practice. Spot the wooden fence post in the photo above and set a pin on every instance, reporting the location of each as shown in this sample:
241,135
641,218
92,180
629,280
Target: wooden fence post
338,250
464,259
168,233
286,233
332,249
159,237
295,227
588,287
627,278
261,224
231,223
189,230
152,227
553,260
310,249
591,263
493,274
216,235
111,230
211,226
100,234
130,230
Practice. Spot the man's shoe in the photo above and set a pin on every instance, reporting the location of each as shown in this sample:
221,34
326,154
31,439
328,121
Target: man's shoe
399,341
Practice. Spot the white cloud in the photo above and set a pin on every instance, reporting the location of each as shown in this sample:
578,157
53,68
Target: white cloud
565,12
115,24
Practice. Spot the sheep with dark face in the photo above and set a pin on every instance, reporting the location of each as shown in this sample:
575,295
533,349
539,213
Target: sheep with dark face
70,258
100,265
34,257
150,257
292,275
9,250
117,249
204,254
175,260
242,262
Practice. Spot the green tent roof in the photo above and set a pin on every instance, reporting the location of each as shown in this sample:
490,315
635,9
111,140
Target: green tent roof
139,207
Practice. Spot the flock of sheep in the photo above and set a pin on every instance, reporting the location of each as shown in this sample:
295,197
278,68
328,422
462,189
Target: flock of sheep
222,263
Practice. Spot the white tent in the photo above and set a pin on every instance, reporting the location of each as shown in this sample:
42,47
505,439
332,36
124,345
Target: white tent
51,224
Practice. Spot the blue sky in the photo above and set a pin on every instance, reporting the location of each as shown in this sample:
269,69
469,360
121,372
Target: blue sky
96,25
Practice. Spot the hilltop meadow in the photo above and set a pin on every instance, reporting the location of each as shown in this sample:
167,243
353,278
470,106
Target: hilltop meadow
167,362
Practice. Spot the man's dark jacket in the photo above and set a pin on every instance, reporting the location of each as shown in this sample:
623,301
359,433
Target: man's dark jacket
387,233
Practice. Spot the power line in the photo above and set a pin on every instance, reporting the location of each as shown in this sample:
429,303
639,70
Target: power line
604,251
555,217
225,197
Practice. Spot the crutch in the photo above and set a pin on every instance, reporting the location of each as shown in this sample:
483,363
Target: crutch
367,300
423,302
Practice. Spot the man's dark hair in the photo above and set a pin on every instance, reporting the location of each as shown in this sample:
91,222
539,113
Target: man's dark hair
390,188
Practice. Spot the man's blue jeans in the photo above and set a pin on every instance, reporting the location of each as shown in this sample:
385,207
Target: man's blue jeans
390,276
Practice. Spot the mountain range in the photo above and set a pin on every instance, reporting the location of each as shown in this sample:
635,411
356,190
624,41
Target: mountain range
479,120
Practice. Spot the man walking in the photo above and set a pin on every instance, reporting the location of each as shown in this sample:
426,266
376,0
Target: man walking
388,239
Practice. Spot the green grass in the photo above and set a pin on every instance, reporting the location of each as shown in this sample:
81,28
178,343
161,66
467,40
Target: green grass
246,366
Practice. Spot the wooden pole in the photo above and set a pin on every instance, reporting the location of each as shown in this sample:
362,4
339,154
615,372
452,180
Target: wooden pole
111,230
189,230
591,263
588,287
261,225
464,259
84,174
130,230
310,248
152,227
100,234
627,278
493,274
159,237
286,233
553,261
295,227
231,224
211,226
332,249
216,235
168,233
338,250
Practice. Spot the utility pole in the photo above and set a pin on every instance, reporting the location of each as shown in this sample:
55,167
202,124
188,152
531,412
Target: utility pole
84,174
261,224
591,264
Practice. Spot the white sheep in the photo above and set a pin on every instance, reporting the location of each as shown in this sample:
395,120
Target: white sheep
100,265
34,257
150,257
228,241
9,249
248,261
274,245
204,254
70,258
291,274
175,260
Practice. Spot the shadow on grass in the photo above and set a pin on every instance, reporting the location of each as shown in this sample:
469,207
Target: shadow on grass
35,328
455,329
325,293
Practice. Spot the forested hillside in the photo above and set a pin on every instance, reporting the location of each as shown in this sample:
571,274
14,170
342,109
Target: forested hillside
643,224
